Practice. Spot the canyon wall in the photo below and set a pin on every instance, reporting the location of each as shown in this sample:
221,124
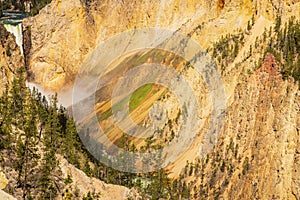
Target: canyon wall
257,155
10,57
65,32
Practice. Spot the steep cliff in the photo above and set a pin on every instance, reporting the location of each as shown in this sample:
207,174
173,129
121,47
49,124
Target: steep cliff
257,155
10,57
66,31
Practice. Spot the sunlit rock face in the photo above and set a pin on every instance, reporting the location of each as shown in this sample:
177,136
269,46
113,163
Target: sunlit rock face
65,32
259,143
4,195
257,156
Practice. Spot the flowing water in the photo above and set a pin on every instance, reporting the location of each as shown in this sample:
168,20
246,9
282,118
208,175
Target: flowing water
16,30
12,21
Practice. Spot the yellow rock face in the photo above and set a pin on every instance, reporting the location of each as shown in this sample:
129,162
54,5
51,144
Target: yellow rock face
262,122
3,181
65,32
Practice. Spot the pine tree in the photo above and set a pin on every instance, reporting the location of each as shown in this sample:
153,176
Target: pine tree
71,143
88,196
5,122
236,49
278,23
46,182
51,141
24,112
18,94
87,168
253,19
53,128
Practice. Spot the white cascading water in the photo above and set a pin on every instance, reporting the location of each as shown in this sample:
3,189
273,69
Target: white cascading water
16,30
13,24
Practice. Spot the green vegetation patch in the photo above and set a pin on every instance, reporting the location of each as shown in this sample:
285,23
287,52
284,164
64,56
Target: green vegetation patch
117,107
136,99
139,96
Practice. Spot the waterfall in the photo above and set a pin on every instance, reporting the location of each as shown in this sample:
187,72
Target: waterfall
16,30
12,21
